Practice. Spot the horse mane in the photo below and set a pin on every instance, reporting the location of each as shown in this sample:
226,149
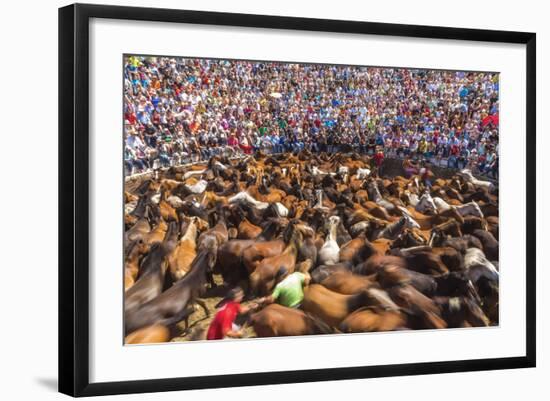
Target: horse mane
155,251
196,276
269,230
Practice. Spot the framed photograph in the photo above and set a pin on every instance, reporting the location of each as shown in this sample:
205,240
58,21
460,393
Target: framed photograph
252,199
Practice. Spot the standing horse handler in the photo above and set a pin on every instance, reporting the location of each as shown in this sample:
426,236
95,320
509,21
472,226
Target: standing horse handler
379,160
223,325
290,291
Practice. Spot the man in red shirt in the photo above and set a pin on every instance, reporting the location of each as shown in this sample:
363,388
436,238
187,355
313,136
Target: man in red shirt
223,325
378,160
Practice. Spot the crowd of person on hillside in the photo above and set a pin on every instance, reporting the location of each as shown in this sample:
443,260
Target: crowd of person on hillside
179,110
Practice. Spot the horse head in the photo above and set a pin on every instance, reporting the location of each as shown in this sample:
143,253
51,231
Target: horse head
426,203
410,222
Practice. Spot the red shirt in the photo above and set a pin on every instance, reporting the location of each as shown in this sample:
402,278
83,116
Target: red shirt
378,158
247,149
131,117
223,321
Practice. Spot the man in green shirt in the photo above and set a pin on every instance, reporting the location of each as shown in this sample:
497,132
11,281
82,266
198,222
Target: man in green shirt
290,291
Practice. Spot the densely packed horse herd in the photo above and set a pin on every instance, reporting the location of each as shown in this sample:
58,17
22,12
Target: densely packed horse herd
383,253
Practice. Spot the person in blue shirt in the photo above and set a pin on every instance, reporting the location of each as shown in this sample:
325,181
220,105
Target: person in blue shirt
379,139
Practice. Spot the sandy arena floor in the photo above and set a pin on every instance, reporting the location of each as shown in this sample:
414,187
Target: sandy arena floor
199,322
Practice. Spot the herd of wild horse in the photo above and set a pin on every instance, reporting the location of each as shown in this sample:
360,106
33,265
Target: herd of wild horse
383,253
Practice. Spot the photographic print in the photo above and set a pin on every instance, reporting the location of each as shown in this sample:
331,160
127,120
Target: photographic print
272,198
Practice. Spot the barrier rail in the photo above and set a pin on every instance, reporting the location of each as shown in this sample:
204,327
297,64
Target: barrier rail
392,167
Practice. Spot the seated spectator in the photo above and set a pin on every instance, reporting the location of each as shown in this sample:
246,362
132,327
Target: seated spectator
208,107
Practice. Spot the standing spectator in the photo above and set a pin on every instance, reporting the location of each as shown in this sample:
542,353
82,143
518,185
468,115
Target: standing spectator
379,159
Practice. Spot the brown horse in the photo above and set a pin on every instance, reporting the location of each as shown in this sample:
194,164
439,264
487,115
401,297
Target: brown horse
376,262
180,260
426,311
177,302
277,320
257,251
357,250
131,265
157,234
151,278
264,277
347,283
155,333
247,230
230,255
167,212
462,312
331,307
426,222
373,319
140,228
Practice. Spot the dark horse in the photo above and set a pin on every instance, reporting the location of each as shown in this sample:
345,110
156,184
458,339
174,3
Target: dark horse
176,303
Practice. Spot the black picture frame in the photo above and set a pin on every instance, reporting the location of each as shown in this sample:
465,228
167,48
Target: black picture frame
74,198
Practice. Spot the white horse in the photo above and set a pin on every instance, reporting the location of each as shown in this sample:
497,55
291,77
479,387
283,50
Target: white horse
197,188
412,198
329,254
129,207
374,192
220,165
245,197
343,170
316,171
438,205
319,205
469,177
441,204
155,198
410,222
192,173
469,209
362,173
175,201
477,265
394,229
281,209
426,203
358,228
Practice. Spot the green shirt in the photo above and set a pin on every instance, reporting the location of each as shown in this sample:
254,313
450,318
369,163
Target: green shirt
289,292
262,131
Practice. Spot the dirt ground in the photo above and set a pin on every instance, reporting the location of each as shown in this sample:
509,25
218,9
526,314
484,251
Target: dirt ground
199,322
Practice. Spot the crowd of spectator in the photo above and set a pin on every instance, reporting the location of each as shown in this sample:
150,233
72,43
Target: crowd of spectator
179,110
